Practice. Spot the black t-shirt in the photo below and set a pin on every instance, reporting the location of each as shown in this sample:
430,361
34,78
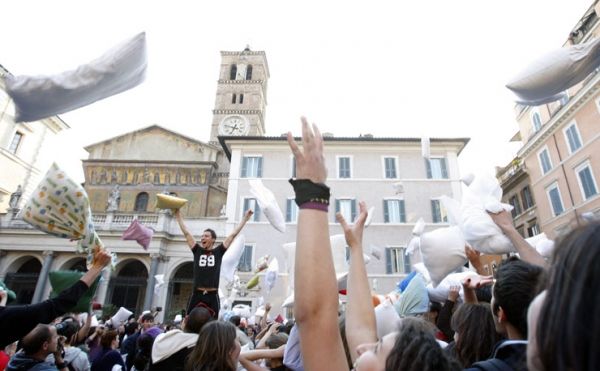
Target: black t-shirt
207,266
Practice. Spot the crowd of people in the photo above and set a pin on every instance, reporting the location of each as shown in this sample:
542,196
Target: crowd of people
533,314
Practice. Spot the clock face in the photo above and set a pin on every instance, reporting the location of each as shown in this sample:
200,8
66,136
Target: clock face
234,125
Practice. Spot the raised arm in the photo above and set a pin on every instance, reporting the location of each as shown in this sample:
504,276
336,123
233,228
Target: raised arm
238,229
247,358
315,293
361,327
186,233
527,253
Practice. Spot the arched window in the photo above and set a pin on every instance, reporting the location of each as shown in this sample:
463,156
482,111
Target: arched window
241,98
141,202
249,72
233,72
233,96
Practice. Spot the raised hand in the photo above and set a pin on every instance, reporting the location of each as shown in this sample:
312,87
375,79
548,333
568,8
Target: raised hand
310,162
354,233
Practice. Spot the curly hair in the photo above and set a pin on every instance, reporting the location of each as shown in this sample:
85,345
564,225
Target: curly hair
416,349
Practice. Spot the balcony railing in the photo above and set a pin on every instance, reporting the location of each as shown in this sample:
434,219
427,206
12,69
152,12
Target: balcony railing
511,171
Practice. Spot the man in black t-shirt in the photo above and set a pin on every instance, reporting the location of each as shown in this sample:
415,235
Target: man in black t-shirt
207,264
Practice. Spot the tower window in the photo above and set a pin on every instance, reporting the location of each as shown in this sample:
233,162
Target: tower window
241,98
233,72
233,98
249,72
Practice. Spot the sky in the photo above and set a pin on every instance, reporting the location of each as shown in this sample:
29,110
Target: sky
387,68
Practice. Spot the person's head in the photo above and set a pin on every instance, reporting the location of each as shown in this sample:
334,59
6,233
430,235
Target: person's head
131,328
517,283
413,347
235,320
68,328
474,333
197,318
40,341
274,341
434,311
144,351
217,348
208,238
110,339
147,321
568,321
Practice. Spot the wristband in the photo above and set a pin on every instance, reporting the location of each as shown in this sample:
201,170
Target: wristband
311,195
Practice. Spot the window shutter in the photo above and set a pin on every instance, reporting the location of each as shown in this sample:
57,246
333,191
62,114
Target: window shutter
245,167
353,211
428,165
288,211
402,212
337,206
435,215
388,261
444,168
386,213
246,205
259,170
406,260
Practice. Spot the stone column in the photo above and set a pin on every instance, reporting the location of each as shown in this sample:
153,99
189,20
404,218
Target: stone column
41,282
151,281
103,286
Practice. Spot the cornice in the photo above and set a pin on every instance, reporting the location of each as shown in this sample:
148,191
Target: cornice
244,52
568,111
238,112
240,82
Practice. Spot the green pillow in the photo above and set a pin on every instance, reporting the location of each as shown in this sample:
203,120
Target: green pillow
61,280
11,294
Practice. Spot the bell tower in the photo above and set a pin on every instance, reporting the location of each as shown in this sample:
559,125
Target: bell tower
241,97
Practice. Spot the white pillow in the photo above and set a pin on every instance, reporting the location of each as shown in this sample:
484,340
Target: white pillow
543,80
118,70
440,293
480,231
386,318
232,257
443,251
369,216
268,204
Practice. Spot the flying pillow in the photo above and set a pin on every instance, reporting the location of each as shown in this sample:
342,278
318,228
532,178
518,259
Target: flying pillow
59,206
543,80
232,257
253,282
443,251
440,293
166,202
139,233
118,70
268,204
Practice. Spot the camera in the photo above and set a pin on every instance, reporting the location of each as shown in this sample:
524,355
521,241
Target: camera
67,328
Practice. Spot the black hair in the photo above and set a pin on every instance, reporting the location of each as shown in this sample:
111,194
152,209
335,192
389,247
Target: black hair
144,351
131,327
416,349
236,320
212,233
568,323
197,318
517,284
147,317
